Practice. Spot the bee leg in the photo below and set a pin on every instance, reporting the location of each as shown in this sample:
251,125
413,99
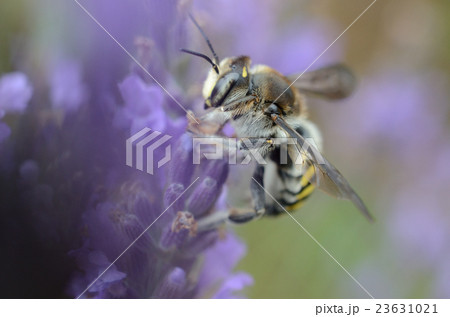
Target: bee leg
272,109
212,221
240,215
219,218
257,190
258,197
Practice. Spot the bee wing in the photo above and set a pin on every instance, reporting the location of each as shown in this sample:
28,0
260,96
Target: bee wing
332,82
326,176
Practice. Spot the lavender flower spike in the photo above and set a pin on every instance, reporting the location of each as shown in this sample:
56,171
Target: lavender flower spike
98,227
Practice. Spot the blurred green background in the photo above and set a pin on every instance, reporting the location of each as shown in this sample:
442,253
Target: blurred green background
405,253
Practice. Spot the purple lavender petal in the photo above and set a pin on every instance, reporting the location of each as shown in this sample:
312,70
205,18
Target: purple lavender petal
216,267
110,276
117,290
173,286
143,104
140,98
169,238
98,258
201,242
145,211
233,284
203,197
173,198
95,263
181,167
217,170
102,233
133,228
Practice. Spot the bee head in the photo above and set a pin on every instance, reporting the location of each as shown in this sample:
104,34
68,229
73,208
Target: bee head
227,81
230,84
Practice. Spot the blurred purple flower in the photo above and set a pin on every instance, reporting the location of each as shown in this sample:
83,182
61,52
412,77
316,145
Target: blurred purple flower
248,34
15,93
419,222
298,48
217,269
418,227
156,266
5,132
398,111
144,106
66,87
80,204
233,284
159,262
287,48
401,116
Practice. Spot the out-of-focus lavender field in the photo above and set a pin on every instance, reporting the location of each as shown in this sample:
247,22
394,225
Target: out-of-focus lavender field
70,96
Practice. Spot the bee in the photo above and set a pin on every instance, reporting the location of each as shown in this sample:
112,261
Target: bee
262,103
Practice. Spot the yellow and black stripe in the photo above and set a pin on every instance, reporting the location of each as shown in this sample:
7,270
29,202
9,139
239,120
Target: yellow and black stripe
297,187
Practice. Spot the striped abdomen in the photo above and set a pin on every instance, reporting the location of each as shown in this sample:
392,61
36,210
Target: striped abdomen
297,186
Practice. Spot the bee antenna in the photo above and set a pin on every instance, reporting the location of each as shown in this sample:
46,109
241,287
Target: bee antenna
216,58
214,65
